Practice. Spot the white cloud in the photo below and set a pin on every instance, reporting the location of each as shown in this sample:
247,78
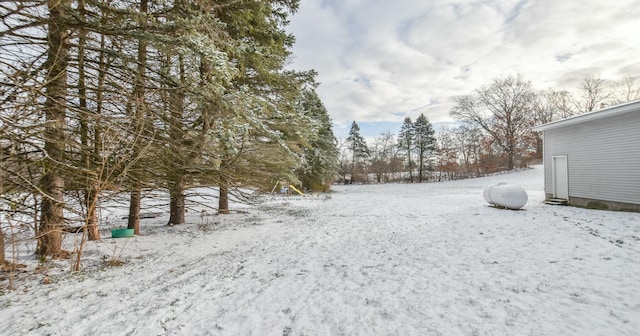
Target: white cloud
382,60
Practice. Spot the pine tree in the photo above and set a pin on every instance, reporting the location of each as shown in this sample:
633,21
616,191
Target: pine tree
358,148
152,83
52,181
264,132
406,143
425,144
140,106
321,157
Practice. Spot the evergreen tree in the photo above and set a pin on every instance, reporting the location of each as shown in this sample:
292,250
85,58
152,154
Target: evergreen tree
262,131
144,94
406,141
321,157
52,182
425,144
357,146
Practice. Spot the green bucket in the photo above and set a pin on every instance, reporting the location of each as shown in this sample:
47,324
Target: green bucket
121,233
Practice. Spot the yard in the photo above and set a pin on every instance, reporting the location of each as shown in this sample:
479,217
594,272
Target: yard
395,259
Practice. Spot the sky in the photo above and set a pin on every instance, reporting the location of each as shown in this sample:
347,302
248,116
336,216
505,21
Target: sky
380,61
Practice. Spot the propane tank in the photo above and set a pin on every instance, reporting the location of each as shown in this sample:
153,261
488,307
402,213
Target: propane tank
506,195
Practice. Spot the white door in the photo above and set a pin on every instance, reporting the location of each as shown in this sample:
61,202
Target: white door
560,177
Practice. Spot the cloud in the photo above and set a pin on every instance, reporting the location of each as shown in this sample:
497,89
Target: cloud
379,61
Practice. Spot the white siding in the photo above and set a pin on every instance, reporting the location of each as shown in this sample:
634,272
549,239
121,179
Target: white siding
603,157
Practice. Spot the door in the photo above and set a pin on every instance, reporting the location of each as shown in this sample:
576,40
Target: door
560,177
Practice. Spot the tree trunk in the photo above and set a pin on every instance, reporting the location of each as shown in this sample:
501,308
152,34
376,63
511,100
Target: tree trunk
511,156
135,198
420,167
176,205
223,200
539,147
87,154
410,170
92,213
51,217
177,148
353,167
52,182
134,208
2,260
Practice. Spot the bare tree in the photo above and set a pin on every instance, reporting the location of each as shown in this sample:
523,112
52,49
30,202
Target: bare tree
448,155
344,161
381,156
548,106
503,110
467,138
593,93
626,90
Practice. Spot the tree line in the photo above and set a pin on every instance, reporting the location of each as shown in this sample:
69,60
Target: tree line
113,96
492,133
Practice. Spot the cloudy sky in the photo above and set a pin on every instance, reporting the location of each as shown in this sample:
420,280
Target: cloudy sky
382,60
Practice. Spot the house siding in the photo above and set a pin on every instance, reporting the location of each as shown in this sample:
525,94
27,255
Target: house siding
603,158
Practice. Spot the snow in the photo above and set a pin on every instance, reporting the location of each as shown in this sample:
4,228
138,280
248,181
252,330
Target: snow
390,259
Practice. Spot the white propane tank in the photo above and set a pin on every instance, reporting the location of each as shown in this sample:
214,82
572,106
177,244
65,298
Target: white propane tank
506,195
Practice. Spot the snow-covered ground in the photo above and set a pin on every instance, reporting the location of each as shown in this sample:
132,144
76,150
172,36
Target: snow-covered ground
397,259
